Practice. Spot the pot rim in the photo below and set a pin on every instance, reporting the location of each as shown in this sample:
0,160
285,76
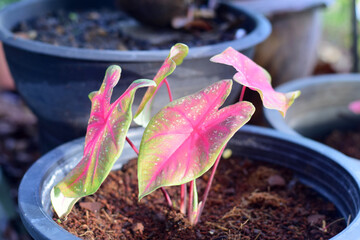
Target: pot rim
275,119
259,34
283,6
40,222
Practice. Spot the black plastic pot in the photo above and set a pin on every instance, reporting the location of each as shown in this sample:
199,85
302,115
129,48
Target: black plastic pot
321,107
332,174
55,81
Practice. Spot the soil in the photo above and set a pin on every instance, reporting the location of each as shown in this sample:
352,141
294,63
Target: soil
113,29
248,200
346,142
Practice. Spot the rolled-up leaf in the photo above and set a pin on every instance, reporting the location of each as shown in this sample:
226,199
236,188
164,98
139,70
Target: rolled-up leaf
176,56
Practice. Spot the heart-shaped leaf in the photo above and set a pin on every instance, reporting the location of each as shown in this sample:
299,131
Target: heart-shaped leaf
256,78
106,133
176,56
355,107
183,140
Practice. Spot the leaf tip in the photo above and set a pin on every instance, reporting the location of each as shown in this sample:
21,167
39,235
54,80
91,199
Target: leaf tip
178,52
290,98
62,205
218,58
141,195
112,75
92,95
113,69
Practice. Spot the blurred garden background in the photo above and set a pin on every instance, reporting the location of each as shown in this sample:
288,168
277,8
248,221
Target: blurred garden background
336,44
19,141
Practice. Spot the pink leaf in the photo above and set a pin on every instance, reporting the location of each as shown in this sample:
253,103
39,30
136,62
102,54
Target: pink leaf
184,139
176,56
256,78
355,107
107,128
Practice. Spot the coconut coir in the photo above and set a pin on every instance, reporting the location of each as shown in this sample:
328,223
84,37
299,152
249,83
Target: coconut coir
248,200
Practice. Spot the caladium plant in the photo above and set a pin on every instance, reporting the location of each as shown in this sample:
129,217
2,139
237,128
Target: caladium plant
180,143
106,133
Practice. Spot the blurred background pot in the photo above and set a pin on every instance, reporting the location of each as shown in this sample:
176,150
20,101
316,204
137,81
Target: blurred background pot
290,52
155,12
55,81
321,107
329,172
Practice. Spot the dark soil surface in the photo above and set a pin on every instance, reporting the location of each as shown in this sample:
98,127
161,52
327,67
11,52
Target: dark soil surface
247,201
18,150
347,142
113,29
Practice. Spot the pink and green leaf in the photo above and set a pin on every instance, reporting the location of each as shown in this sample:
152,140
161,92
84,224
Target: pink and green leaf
355,106
256,78
184,139
106,133
176,56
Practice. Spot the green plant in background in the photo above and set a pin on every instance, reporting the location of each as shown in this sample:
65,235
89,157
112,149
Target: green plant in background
337,26
337,46
3,3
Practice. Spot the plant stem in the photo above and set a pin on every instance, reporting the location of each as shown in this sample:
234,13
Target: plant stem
191,198
194,217
168,89
183,199
242,93
132,145
208,186
166,194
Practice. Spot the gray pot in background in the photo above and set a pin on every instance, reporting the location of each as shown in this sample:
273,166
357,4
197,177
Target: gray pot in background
332,174
321,107
290,52
55,81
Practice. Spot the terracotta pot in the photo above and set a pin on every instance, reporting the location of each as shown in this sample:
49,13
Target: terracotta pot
329,172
